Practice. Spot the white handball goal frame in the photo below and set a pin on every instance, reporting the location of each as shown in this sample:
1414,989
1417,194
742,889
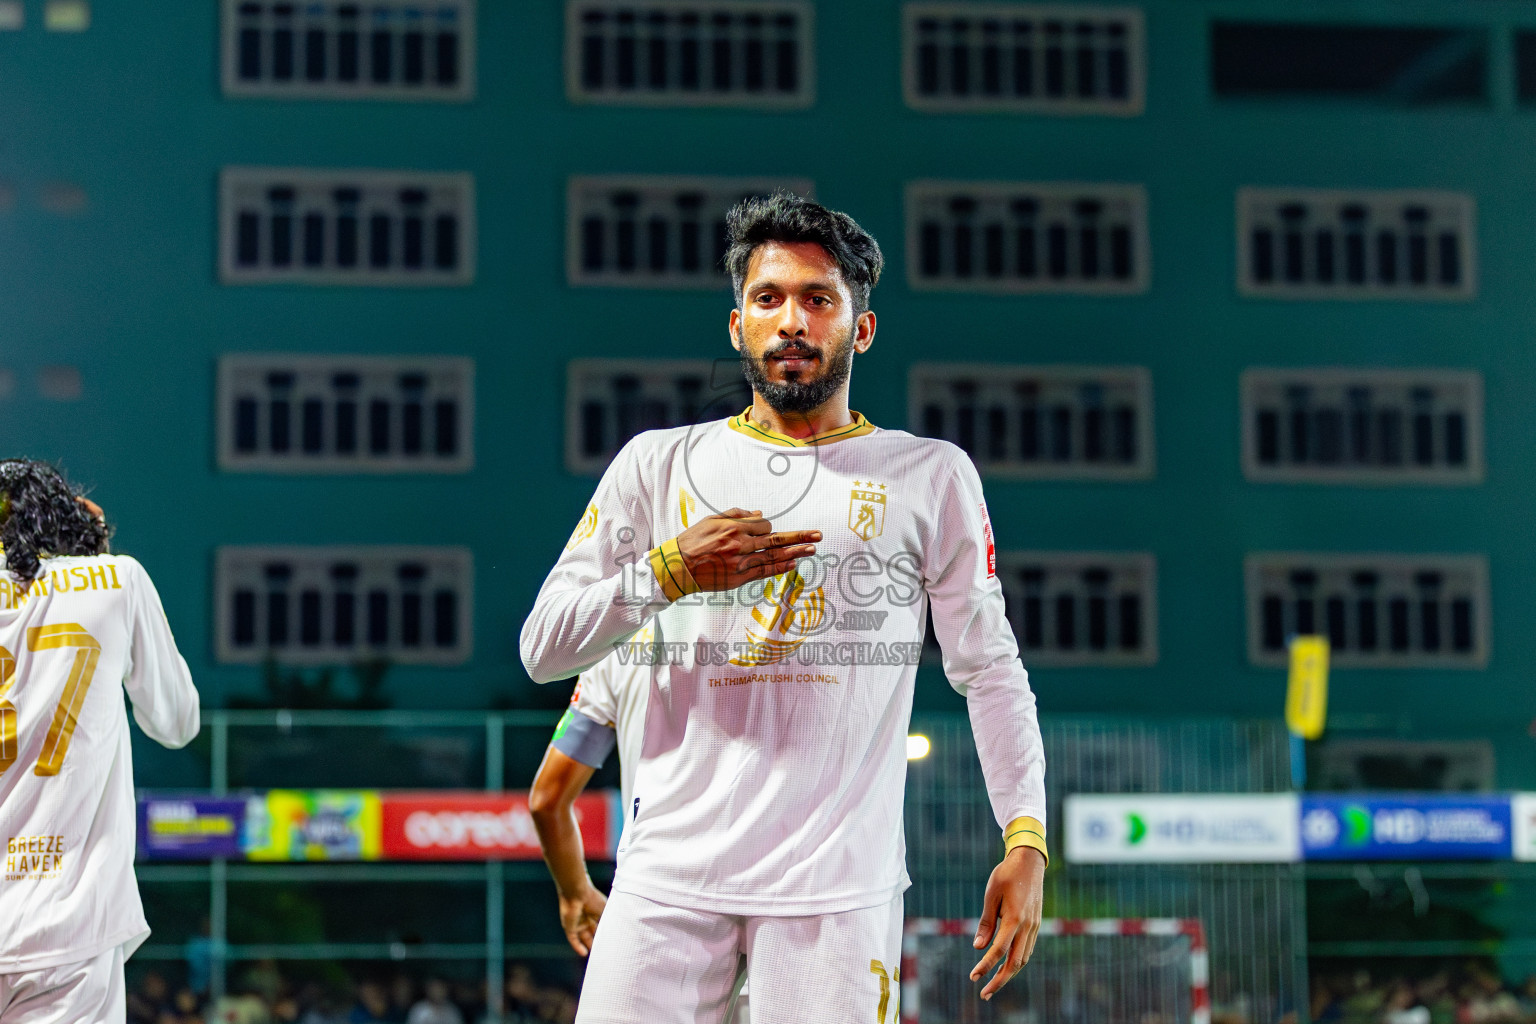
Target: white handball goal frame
1192,928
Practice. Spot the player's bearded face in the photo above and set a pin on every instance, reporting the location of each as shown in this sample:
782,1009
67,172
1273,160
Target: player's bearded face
799,390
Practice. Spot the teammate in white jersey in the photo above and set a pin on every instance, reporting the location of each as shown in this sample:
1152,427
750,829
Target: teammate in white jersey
76,624
790,556
607,710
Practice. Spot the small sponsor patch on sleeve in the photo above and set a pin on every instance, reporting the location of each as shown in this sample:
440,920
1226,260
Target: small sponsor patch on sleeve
584,529
986,529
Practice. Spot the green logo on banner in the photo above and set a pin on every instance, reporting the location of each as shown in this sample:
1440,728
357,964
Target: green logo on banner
1138,828
1357,825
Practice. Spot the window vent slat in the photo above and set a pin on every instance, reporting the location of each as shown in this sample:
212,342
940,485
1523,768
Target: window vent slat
1377,610
346,227
1038,422
1027,237
1024,58
344,50
1363,426
1331,244
649,231
338,605
608,401
691,53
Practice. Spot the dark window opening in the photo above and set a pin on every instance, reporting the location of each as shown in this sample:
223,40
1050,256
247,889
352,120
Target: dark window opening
1387,64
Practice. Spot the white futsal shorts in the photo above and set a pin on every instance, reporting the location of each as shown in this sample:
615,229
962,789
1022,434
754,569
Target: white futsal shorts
89,992
663,965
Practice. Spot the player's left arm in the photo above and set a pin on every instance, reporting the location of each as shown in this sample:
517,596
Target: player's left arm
981,660
165,701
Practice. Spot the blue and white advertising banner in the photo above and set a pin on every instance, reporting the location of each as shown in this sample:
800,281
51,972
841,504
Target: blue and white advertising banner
1523,815
1189,829
1418,826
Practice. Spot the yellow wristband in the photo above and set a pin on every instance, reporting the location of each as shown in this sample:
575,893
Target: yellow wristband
671,571
1025,832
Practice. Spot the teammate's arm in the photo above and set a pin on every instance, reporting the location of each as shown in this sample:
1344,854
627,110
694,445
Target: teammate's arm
165,702
982,663
551,801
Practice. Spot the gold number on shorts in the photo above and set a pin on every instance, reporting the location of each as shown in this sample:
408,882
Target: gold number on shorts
878,969
7,711
67,715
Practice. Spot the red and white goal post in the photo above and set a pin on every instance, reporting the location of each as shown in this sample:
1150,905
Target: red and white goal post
1101,969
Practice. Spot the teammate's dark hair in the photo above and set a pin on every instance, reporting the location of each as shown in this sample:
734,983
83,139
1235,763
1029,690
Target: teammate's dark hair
40,516
786,217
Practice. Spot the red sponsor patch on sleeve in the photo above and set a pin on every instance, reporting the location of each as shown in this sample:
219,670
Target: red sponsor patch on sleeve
986,529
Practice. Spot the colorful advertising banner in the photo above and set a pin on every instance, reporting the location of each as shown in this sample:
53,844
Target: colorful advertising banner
485,826
342,825
190,827
1413,826
286,824
1188,829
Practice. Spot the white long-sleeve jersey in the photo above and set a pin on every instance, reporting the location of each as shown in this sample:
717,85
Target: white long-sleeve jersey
69,643
613,695
773,763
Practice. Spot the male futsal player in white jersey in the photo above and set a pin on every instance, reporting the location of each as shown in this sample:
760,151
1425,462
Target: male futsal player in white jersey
76,623
770,785
607,709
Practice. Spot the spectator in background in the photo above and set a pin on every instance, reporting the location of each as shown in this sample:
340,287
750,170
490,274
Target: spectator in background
185,1007
1435,993
1362,1000
287,1009
1403,1006
199,954
1325,1006
402,996
522,992
435,1007
243,1007
318,1006
1526,998
470,998
1487,1002
264,979
150,1000
371,1007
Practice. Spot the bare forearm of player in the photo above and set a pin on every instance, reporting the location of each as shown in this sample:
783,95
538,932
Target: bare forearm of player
552,802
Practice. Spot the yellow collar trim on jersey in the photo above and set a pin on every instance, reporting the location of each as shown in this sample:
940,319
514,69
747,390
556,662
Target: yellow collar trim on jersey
742,424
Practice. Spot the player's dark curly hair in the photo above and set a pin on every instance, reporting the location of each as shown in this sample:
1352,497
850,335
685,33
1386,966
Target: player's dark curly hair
786,217
40,516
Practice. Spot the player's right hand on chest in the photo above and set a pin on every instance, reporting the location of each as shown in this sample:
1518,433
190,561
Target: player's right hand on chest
737,546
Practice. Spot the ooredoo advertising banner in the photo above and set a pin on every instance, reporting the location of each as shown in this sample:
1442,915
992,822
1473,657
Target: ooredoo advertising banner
1411,826
1182,829
484,826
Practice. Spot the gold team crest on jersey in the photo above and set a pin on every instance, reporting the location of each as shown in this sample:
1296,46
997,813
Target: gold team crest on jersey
866,509
785,616
686,507
584,529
